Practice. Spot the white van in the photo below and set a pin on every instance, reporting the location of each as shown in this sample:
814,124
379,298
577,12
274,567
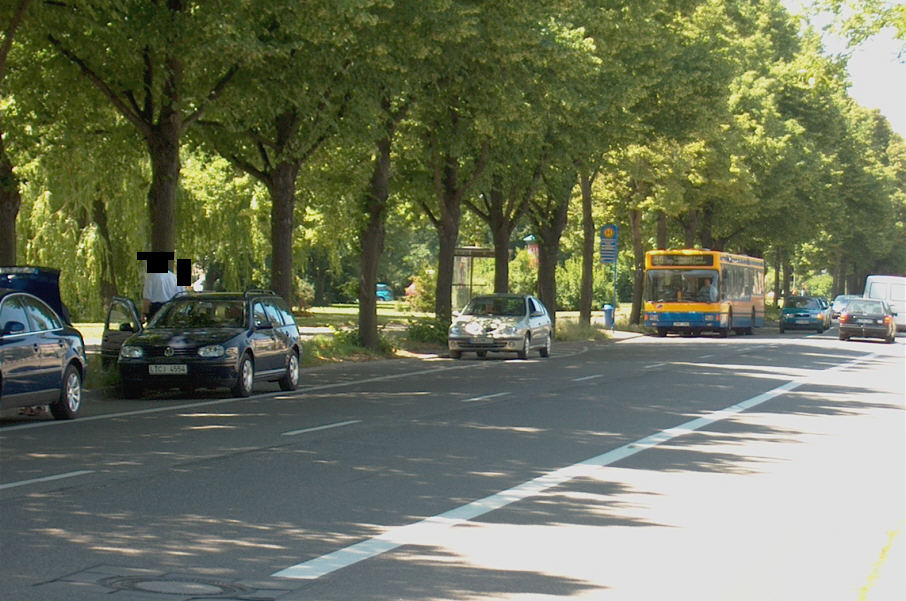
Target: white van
892,290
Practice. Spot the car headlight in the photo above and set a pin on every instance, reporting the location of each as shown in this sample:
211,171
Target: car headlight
508,331
211,351
132,352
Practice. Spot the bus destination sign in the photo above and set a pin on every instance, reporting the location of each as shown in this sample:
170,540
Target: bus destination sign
683,260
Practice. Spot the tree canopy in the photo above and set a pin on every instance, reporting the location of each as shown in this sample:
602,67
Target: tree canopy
319,147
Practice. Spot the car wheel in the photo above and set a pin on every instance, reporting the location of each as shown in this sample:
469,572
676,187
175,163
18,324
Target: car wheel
290,379
545,351
70,395
844,337
245,378
890,339
456,354
782,329
482,354
523,354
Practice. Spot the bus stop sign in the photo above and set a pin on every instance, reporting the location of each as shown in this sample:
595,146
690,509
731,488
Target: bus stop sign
609,243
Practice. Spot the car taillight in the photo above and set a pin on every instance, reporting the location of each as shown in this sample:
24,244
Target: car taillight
887,319
844,317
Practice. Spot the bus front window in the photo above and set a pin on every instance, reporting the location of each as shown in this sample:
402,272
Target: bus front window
682,285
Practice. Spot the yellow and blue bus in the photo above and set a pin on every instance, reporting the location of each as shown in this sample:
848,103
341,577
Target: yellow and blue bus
691,291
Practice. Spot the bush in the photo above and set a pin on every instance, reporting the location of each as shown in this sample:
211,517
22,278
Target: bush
427,330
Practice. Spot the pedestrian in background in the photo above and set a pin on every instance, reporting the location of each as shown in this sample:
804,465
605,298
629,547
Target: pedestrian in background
158,289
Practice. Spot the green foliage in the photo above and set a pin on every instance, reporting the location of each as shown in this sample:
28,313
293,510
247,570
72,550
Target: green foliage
716,115
425,287
427,330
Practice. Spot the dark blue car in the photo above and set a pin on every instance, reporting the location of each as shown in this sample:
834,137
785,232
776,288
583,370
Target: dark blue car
208,340
42,357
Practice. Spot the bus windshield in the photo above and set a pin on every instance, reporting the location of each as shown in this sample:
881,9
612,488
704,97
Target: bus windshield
682,285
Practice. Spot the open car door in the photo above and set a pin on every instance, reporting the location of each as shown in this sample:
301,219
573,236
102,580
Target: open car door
122,322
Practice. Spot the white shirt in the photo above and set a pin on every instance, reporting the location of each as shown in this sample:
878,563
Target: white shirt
160,287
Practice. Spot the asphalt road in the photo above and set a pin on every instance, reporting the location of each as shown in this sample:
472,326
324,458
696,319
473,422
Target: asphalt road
753,467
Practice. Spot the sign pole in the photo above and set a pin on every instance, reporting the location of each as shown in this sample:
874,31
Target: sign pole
609,248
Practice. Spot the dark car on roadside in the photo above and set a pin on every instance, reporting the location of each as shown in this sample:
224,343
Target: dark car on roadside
803,313
42,357
208,340
868,318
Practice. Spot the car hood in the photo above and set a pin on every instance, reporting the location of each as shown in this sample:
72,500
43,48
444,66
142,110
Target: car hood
183,337
486,323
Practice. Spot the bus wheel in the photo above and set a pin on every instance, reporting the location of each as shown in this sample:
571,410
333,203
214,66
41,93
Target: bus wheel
662,332
726,331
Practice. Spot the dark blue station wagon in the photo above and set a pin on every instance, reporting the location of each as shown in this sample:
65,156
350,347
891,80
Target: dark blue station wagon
210,340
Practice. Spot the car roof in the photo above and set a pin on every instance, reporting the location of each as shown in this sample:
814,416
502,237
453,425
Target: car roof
42,282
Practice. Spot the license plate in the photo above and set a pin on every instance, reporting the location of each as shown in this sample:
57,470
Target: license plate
479,340
866,320
802,321
681,324
168,369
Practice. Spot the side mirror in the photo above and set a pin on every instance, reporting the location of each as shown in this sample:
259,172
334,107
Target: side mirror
264,325
12,327
126,327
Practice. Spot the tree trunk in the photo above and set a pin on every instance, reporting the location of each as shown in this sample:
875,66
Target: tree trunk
661,230
549,220
108,271
787,277
638,286
691,227
281,184
9,207
500,232
707,228
371,237
447,234
163,148
586,291
778,271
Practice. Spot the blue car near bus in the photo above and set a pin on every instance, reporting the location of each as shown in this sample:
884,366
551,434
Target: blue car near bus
803,313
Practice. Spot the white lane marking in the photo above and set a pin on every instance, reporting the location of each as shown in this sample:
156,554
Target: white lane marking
653,365
324,427
583,378
485,397
45,479
424,531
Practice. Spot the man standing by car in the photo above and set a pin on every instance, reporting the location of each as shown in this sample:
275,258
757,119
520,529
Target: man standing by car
158,289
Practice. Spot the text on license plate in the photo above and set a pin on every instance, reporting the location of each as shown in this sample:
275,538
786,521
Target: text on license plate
802,321
682,324
866,321
167,369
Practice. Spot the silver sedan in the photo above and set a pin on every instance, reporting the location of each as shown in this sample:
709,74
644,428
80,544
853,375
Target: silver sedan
516,323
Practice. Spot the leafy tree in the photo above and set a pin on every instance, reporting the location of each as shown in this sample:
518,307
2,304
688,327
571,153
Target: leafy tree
160,65
11,19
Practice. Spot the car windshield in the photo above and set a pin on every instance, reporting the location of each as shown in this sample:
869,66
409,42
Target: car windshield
865,307
506,306
682,285
798,302
201,313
